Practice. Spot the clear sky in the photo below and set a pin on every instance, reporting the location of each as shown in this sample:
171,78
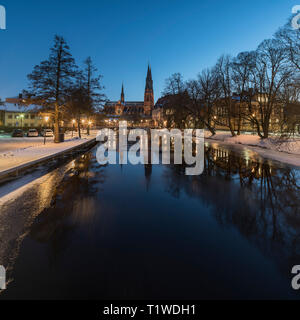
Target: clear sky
123,36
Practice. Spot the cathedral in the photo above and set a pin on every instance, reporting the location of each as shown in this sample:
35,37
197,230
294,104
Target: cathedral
130,108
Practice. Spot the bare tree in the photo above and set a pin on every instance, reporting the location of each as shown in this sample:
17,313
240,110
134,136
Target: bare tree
209,94
226,103
242,67
290,40
174,84
92,82
271,71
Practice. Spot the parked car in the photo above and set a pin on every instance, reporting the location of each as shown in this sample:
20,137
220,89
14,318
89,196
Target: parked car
32,133
47,133
18,133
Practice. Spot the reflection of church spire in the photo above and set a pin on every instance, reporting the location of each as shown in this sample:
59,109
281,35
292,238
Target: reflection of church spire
148,174
122,94
148,165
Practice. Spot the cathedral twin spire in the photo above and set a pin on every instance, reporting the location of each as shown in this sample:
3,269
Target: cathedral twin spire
149,81
122,94
149,94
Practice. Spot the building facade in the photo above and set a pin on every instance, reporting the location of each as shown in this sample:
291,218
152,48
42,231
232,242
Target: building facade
133,108
16,114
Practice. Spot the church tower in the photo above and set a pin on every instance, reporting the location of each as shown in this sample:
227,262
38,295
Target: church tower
149,94
122,95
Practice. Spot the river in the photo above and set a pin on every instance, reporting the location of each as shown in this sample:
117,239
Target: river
86,231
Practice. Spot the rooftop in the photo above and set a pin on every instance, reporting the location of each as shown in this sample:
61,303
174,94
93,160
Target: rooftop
18,108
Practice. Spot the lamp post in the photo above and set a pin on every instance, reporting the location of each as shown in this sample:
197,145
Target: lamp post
22,117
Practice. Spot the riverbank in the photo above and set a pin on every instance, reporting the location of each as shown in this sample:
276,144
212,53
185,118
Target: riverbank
22,158
286,151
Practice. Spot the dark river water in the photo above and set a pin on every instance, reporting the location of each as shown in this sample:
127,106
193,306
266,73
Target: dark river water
86,231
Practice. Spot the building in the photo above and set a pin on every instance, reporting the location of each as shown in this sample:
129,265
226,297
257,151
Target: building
129,109
246,110
12,116
160,111
15,114
292,117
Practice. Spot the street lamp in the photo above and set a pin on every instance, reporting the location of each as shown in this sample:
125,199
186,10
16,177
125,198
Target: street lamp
22,117
46,119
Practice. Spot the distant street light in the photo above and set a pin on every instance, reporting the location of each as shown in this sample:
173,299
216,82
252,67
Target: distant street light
22,117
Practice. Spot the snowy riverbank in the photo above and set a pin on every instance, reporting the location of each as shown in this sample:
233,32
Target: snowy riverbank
22,155
284,150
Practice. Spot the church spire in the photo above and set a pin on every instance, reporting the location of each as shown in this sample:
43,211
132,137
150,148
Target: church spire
149,94
149,81
122,94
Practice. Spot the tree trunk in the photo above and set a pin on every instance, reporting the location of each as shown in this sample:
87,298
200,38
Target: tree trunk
56,125
210,128
79,130
239,122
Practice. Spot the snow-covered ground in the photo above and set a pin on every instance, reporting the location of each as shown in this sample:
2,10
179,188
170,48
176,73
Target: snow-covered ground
18,151
284,150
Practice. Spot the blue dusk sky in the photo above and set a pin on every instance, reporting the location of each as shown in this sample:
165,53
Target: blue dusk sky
123,36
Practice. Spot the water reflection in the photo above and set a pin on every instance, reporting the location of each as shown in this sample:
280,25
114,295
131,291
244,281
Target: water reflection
74,204
146,232
18,213
260,199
